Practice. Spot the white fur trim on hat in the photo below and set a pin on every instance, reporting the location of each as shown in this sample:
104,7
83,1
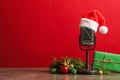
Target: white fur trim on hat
91,24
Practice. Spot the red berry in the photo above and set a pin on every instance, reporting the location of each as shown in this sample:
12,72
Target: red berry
64,69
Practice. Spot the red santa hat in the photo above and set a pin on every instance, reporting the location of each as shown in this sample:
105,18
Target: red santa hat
92,20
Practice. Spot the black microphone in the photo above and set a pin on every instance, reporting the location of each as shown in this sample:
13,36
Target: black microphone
87,42
87,36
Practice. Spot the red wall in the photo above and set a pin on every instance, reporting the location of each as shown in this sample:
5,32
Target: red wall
32,32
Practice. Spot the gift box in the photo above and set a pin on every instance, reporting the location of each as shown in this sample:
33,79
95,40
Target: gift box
107,61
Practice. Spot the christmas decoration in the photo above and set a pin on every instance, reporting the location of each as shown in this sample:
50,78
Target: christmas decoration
66,61
106,62
67,65
53,70
92,20
100,72
103,71
73,71
71,66
64,69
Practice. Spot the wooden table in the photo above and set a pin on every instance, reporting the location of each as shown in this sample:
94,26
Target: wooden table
43,74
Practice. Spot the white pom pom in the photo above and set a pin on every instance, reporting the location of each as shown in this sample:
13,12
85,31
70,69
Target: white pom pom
103,29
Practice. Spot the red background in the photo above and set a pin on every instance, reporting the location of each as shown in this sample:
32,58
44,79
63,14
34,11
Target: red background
32,32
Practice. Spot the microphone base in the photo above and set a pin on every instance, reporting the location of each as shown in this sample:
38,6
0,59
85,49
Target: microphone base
90,72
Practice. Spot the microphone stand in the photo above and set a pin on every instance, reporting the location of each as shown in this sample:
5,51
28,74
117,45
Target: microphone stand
87,60
87,49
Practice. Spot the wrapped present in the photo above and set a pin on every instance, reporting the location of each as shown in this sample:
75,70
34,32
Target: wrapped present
107,61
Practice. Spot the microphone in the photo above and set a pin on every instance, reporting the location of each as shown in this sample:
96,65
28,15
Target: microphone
87,42
87,36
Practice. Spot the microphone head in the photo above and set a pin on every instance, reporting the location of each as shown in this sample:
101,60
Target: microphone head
87,36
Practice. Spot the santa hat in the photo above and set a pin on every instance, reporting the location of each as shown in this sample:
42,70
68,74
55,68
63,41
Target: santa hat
92,20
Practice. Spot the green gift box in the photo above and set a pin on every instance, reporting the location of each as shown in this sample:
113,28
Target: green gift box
108,61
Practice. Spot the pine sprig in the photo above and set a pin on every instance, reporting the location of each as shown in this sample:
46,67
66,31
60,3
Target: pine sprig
56,64
73,65
78,64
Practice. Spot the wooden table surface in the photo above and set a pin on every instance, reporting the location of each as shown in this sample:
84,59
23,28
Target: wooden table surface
43,74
